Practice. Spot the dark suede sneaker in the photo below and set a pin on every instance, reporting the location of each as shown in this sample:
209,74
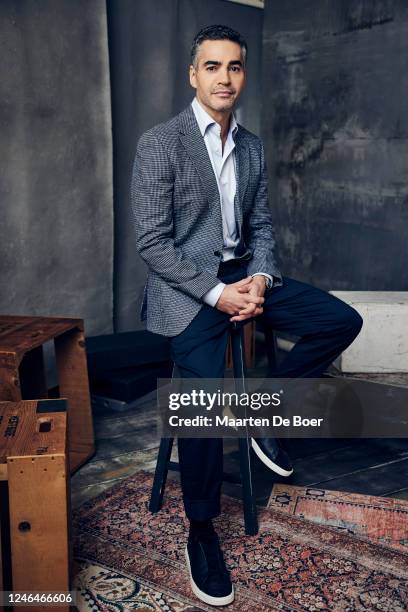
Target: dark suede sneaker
209,577
271,453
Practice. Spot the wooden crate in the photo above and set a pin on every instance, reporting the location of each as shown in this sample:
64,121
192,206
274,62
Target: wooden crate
22,373
34,468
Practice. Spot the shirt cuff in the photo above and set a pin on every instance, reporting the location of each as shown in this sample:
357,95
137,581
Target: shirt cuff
212,296
268,276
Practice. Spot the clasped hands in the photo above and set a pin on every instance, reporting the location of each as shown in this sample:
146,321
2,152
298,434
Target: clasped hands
243,299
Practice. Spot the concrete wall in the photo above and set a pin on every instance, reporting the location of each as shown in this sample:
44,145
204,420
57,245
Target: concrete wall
335,85
335,81
56,247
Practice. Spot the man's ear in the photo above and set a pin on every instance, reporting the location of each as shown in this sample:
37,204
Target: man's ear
193,80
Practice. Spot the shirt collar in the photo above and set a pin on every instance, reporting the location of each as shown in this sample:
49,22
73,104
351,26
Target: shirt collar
204,120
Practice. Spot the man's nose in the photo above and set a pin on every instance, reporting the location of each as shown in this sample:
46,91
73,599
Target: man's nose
225,77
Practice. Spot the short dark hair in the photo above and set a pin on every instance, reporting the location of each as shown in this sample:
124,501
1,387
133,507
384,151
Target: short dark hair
217,32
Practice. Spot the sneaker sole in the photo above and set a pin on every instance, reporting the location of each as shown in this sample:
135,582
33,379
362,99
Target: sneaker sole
209,599
268,462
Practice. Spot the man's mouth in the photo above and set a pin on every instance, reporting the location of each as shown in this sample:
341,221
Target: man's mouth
225,93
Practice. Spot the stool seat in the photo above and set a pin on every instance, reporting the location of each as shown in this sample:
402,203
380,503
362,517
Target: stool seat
245,452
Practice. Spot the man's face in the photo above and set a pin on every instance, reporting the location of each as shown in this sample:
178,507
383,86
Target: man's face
219,76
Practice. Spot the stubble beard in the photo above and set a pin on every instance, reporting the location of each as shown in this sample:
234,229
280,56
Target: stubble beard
222,107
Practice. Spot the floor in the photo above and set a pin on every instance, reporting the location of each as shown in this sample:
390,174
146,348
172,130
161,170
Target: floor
126,441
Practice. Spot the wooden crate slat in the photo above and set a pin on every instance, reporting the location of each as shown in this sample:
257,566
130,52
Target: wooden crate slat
34,461
22,374
22,333
39,524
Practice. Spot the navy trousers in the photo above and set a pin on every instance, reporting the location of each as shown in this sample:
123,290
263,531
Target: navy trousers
326,327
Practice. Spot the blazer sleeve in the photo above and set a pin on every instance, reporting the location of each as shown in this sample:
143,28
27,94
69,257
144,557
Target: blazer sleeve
259,230
152,187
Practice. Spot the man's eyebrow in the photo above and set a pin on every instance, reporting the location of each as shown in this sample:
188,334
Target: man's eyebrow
216,63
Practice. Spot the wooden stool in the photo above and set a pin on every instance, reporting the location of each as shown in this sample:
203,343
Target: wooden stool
249,346
22,374
35,517
164,463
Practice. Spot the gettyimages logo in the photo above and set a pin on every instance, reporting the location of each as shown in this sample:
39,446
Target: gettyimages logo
207,400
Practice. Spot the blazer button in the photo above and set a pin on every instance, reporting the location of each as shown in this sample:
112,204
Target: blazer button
217,253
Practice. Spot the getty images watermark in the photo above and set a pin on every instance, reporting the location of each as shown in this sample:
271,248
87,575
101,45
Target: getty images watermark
300,408
253,401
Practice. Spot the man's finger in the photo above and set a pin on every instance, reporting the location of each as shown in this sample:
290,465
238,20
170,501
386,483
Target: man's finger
245,288
242,317
243,281
253,299
248,310
255,313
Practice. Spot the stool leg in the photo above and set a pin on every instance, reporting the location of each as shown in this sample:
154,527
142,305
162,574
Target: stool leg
160,475
250,511
271,348
238,356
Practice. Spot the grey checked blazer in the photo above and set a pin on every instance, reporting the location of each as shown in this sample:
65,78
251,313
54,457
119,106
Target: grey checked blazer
177,218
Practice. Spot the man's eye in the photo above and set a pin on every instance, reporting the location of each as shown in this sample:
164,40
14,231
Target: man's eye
235,68
211,68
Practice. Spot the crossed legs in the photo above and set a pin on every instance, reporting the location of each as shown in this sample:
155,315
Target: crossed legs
325,326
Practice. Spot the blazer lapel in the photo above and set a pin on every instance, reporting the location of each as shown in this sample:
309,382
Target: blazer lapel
194,144
242,174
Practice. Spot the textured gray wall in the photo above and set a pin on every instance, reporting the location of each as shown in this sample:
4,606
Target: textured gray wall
56,247
149,42
335,78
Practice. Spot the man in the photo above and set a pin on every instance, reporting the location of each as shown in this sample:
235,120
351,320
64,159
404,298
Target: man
204,227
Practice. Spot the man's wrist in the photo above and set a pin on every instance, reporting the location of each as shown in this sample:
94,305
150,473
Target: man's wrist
213,295
261,280
268,279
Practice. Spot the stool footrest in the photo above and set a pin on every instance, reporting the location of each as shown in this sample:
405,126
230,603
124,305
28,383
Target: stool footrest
160,475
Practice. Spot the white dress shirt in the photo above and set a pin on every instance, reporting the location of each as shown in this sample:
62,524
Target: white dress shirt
223,163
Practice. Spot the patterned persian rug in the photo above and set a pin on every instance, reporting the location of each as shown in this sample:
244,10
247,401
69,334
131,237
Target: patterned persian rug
380,519
103,589
292,564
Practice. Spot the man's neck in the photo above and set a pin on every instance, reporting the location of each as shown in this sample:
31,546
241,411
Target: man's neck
223,118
